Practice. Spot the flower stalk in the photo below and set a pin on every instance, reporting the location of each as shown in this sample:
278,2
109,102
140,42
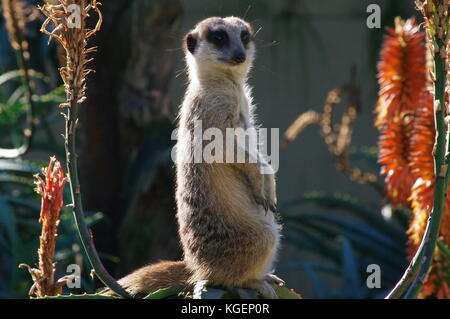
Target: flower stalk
436,17
50,188
73,36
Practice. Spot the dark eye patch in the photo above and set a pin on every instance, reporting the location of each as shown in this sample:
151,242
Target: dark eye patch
245,37
218,37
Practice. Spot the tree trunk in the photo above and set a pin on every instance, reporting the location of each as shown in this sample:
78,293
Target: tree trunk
127,124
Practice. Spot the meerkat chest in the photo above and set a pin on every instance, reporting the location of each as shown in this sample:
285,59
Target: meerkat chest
245,119
244,115
216,104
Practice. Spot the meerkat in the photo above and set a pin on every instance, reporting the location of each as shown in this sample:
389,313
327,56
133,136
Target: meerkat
226,212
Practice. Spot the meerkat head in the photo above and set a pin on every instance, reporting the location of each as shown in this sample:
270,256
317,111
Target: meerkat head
217,44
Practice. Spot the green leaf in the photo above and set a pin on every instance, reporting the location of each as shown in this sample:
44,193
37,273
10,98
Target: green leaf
16,74
15,96
349,270
285,293
365,245
84,296
349,204
8,222
318,285
311,240
18,166
165,293
9,225
316,265
14,179
350,226
33,205
318,238
57,95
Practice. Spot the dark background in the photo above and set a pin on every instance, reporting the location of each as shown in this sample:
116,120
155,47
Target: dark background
304,50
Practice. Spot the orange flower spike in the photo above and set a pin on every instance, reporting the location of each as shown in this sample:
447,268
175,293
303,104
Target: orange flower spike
51,190
393,157
405,118
402,80
401,72
422,168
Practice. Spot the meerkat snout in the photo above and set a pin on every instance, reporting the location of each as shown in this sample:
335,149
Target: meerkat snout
224,42
238,57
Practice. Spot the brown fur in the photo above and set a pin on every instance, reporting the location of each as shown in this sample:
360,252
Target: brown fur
150,278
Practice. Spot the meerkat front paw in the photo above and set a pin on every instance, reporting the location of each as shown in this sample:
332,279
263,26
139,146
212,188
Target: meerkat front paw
266,196
260,199
270,192
274,280
266,203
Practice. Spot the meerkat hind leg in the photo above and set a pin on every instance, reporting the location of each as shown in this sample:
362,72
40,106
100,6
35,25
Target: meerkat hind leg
262,287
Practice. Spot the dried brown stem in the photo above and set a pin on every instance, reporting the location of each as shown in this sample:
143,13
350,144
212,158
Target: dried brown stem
337,136
73,36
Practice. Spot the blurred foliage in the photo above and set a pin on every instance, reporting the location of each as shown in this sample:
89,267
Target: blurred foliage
349,237
19,205
20,230
13,109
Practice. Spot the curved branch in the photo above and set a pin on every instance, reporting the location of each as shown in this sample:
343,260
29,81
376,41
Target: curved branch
84,232
417,271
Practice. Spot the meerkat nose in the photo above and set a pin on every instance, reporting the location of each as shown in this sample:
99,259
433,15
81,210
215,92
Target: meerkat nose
238,57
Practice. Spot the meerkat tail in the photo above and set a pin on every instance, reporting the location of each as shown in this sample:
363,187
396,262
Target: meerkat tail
150,278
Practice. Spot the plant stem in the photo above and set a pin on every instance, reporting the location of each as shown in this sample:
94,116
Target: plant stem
416,274
408,277
441,180
84,232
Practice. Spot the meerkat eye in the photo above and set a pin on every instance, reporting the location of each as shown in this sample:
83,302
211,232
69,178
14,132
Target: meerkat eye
245,37
219,37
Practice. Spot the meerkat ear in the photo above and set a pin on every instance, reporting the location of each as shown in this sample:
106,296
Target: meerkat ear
190,41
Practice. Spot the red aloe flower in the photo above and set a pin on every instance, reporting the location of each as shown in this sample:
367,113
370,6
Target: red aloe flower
401,72
422,167
405,117
393,155
402,80
51,190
